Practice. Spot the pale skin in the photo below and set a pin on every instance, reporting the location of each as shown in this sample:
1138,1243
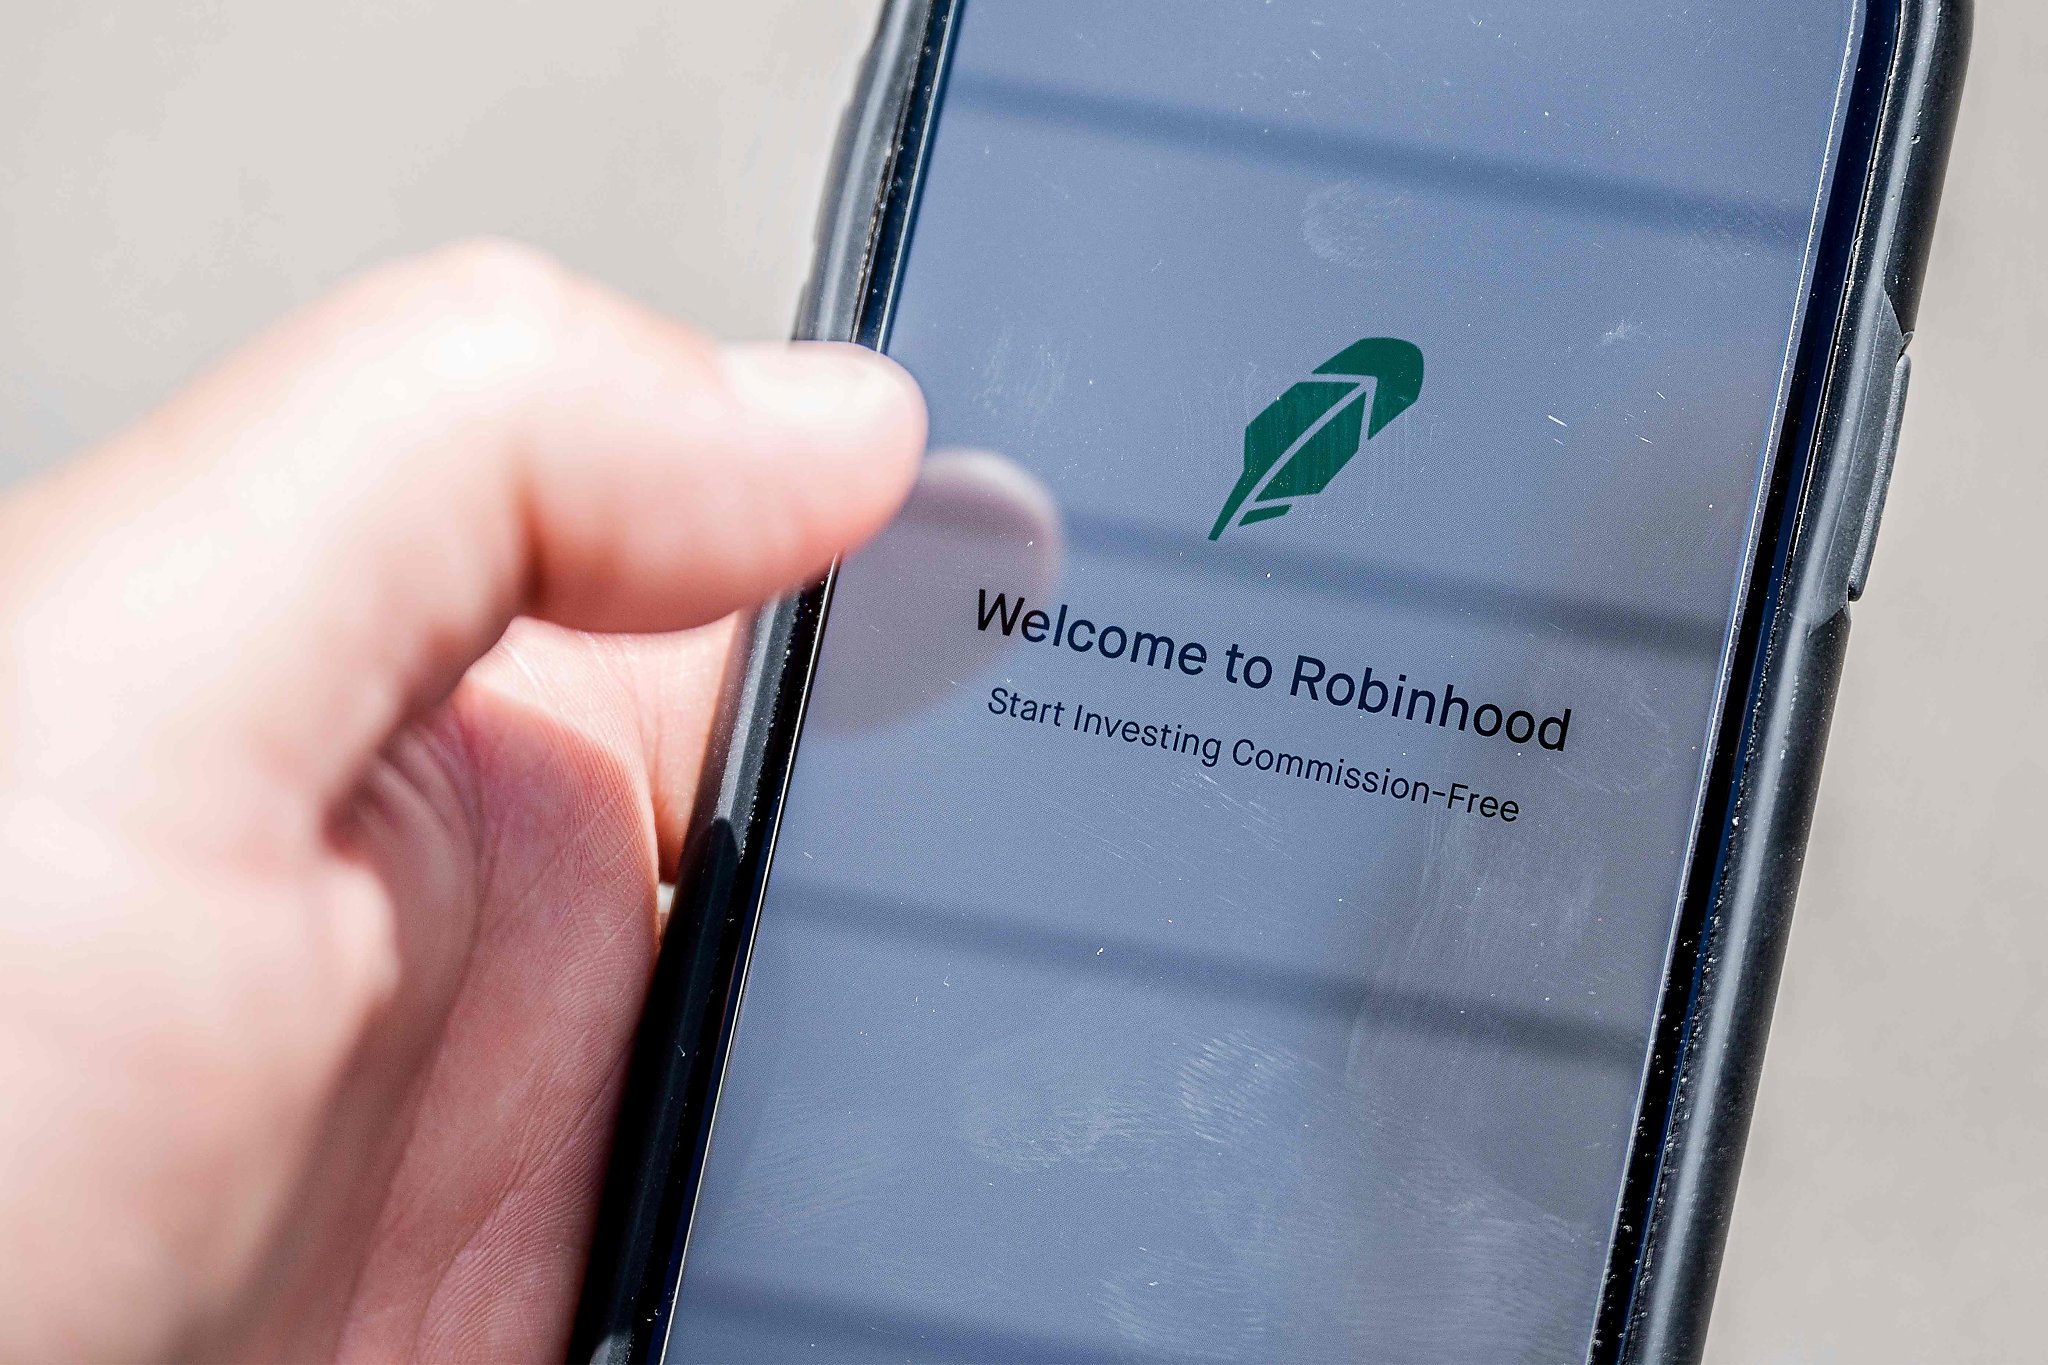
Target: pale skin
351,712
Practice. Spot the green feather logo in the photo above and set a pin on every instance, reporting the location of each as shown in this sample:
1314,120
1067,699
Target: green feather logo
1295,447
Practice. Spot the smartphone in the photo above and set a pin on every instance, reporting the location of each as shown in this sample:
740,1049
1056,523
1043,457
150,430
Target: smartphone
1284,852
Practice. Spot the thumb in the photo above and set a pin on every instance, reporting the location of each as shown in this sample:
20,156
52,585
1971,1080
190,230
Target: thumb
246,594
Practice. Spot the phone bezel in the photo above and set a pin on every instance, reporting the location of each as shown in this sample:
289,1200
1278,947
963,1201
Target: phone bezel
1678,1191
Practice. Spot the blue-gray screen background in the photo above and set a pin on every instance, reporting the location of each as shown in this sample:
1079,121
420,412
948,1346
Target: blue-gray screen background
1056,1046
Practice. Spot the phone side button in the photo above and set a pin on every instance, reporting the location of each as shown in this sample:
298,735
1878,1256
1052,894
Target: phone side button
1883,456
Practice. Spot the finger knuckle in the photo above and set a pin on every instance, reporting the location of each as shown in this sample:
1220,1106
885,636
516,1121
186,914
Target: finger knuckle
495,273
486,311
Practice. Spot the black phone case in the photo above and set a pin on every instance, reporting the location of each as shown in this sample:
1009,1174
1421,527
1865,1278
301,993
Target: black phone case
1812,557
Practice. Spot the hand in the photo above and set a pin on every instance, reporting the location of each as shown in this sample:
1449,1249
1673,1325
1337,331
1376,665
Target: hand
327,889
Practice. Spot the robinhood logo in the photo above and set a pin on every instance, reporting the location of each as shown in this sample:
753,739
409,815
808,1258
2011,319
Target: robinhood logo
1295,447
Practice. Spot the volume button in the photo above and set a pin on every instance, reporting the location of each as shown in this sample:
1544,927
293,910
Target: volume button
1883,456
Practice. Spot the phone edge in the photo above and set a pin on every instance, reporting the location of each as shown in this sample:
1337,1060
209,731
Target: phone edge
1658,1308
660,1133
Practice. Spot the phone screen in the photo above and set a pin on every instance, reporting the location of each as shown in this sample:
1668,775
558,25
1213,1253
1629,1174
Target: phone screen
1232,856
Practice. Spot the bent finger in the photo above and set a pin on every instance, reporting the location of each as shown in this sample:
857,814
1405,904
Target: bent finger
264,579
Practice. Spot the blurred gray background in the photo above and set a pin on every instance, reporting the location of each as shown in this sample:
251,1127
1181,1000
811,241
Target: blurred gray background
179,171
